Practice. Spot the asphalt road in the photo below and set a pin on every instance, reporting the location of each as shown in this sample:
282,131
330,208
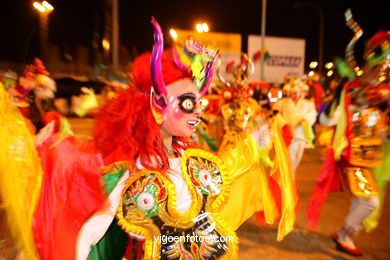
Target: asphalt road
301,243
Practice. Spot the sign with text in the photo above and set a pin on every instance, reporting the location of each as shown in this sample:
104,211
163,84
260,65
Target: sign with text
284,56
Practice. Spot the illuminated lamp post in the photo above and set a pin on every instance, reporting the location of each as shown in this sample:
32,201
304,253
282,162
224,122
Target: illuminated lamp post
44,9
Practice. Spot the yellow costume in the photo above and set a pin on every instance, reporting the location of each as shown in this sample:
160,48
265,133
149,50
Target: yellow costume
21,171
249,142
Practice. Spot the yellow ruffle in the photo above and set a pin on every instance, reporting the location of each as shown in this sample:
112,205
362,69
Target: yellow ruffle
281,173
20,175
249,189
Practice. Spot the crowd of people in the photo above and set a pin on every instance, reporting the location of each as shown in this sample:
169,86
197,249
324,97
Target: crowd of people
178,163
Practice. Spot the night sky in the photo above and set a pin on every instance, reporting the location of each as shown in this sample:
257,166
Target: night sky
76,22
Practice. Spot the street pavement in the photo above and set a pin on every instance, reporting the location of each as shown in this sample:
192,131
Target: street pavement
301,243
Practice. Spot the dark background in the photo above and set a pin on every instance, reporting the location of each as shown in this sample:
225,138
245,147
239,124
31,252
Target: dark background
77,22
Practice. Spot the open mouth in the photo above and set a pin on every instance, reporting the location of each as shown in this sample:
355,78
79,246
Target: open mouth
193,122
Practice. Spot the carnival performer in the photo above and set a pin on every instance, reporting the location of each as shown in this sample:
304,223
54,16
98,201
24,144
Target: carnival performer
298,113
156,162
253,151
20,96
361,136
36,78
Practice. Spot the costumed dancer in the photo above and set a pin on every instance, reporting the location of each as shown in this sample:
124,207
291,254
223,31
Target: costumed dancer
162,188
255,155
50,183
21,96
20,175
361,136
163,193
36,77
299,114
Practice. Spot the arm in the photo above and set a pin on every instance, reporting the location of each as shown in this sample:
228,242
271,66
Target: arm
330,120
96,226
311,113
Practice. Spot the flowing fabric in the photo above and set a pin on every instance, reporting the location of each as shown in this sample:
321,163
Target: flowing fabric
250,190
382,176
253,190
327,182
287,136
326,136
281,173
238,152
71,192
20,175
308,132
65,127
340,140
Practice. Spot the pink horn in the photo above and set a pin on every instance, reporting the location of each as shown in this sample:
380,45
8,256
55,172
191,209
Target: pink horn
155,65
158,98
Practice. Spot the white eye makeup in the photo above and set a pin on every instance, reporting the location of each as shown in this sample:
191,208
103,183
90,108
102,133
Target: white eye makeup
187,103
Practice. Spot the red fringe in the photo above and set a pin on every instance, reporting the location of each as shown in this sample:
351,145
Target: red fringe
327,182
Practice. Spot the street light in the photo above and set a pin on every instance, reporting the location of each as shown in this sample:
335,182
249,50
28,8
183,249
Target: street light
313,64
106,45
48,6
205,27
173,34
329,65
44,9
39,7
199,28
202,27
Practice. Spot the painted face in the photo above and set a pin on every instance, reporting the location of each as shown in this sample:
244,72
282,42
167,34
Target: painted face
239,117
182,115
295,94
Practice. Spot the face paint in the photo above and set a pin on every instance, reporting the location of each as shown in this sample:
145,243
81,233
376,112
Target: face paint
182,114
295,95
187,103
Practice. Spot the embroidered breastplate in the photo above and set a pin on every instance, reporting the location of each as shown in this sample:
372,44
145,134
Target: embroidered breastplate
365,140
366,151
148,209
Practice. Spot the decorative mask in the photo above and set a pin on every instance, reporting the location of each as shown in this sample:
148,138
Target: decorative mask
184,108
239,110
194,57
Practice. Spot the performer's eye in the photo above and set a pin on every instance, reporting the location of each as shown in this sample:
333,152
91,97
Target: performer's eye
187,103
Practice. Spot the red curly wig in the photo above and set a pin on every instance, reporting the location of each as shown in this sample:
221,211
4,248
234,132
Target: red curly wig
126,129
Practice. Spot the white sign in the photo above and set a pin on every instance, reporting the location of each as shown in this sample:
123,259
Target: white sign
286,57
